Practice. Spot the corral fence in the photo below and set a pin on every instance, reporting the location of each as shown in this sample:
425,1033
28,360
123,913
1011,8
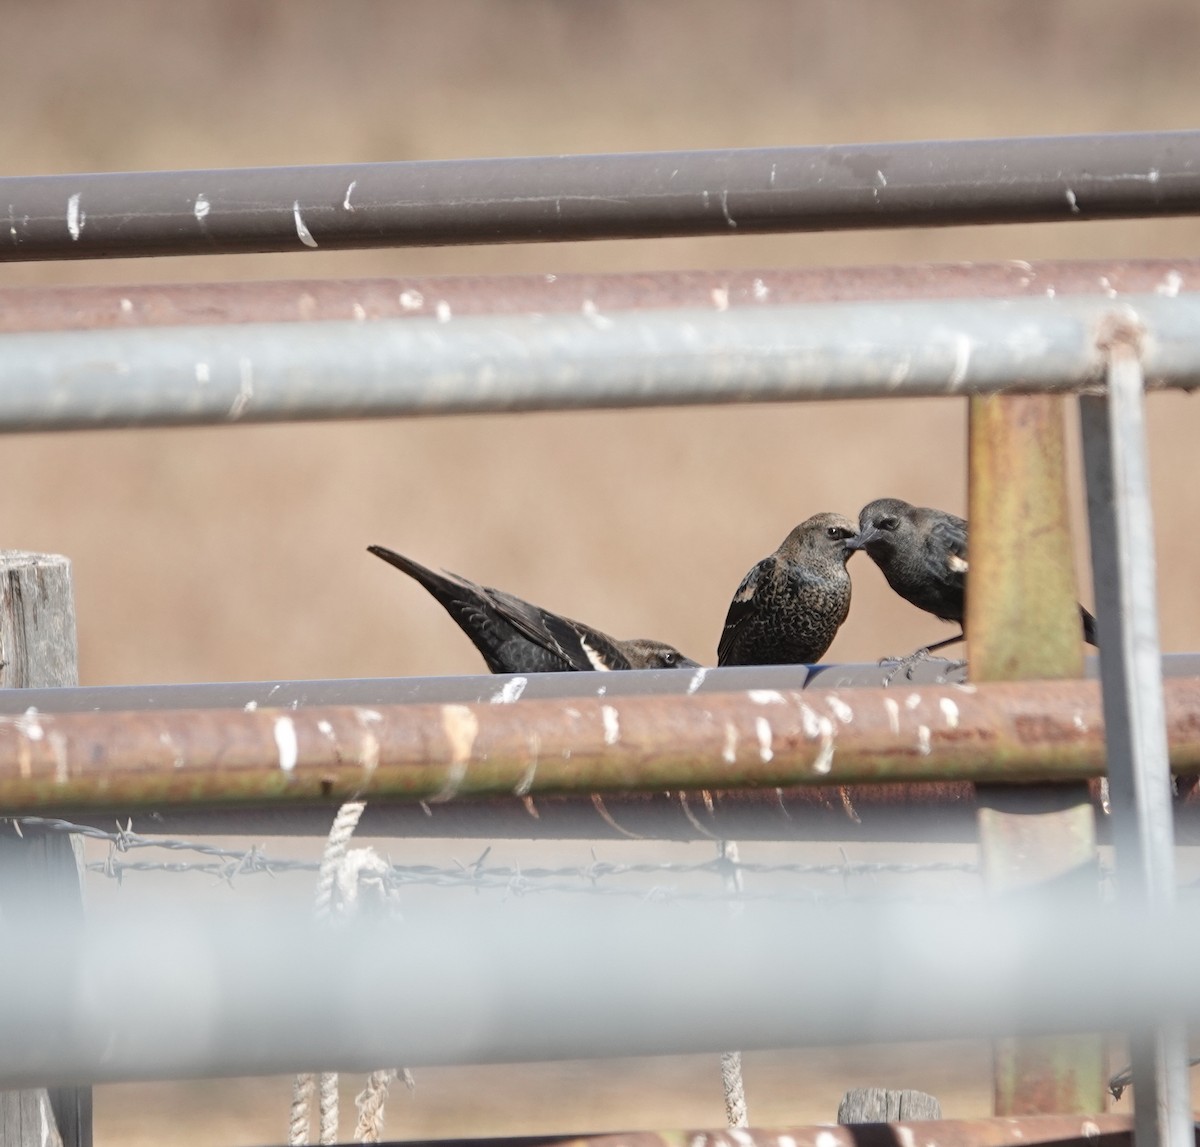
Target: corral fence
1029,758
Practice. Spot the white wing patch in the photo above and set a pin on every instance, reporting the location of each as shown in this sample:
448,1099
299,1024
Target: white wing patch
957,564
596,660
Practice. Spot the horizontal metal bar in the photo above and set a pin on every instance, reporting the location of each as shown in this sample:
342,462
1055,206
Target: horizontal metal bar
1094,1130
277,372
308,300
498,687
153,990
1049,730
573,197
894,812
925,813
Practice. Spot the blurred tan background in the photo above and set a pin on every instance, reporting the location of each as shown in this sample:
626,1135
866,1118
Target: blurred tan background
239,553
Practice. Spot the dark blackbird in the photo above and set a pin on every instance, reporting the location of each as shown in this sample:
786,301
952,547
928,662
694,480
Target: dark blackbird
923,555
515,636
788,608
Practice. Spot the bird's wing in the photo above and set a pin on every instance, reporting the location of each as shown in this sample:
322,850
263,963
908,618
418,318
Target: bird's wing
579,646
585,647
742,607
948,539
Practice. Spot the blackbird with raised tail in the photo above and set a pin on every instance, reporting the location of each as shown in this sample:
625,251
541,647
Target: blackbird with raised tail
923,554
789,607
516,636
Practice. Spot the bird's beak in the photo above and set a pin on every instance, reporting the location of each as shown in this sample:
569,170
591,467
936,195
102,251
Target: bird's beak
862,540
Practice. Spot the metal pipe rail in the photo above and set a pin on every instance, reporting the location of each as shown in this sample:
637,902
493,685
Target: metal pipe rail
1042,731
1021,1131
364,300
151,991
496,688
508,688
422,366
574,197
900,812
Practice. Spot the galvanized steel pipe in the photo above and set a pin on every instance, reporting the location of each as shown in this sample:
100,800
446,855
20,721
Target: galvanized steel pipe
166,990
279,372
573,197
1050,730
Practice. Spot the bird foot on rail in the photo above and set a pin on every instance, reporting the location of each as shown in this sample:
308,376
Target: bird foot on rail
909,663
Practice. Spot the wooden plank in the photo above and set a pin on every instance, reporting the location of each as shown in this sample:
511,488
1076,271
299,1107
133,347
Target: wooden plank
38,650
879,1105
26,1117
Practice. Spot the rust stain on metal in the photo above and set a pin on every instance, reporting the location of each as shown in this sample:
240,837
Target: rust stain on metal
1029,1131
1043,729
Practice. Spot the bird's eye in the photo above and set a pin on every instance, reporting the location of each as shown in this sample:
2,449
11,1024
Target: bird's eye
888,523
838,533
668,659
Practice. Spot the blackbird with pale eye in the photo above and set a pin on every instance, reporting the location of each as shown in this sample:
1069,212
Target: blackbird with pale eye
923,554
789,607
516,636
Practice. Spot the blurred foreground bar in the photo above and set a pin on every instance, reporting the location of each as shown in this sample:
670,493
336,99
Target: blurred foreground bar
150,990
1029,1131
935,183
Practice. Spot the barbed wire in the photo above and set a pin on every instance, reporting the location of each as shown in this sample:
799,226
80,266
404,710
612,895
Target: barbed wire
228,864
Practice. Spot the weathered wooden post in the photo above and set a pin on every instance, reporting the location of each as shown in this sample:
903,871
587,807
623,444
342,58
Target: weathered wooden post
879,1105
1023,624
38,650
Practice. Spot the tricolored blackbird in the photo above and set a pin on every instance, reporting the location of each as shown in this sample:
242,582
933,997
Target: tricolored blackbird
516,636
923,554
789,606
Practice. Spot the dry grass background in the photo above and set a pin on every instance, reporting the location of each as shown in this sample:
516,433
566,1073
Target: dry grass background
238,554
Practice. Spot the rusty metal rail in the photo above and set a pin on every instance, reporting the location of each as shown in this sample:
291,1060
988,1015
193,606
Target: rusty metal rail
574,197
364,300
1027,1131
760,738
875,812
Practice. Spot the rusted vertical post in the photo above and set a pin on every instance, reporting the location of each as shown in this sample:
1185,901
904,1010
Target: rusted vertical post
1023,624
40,872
